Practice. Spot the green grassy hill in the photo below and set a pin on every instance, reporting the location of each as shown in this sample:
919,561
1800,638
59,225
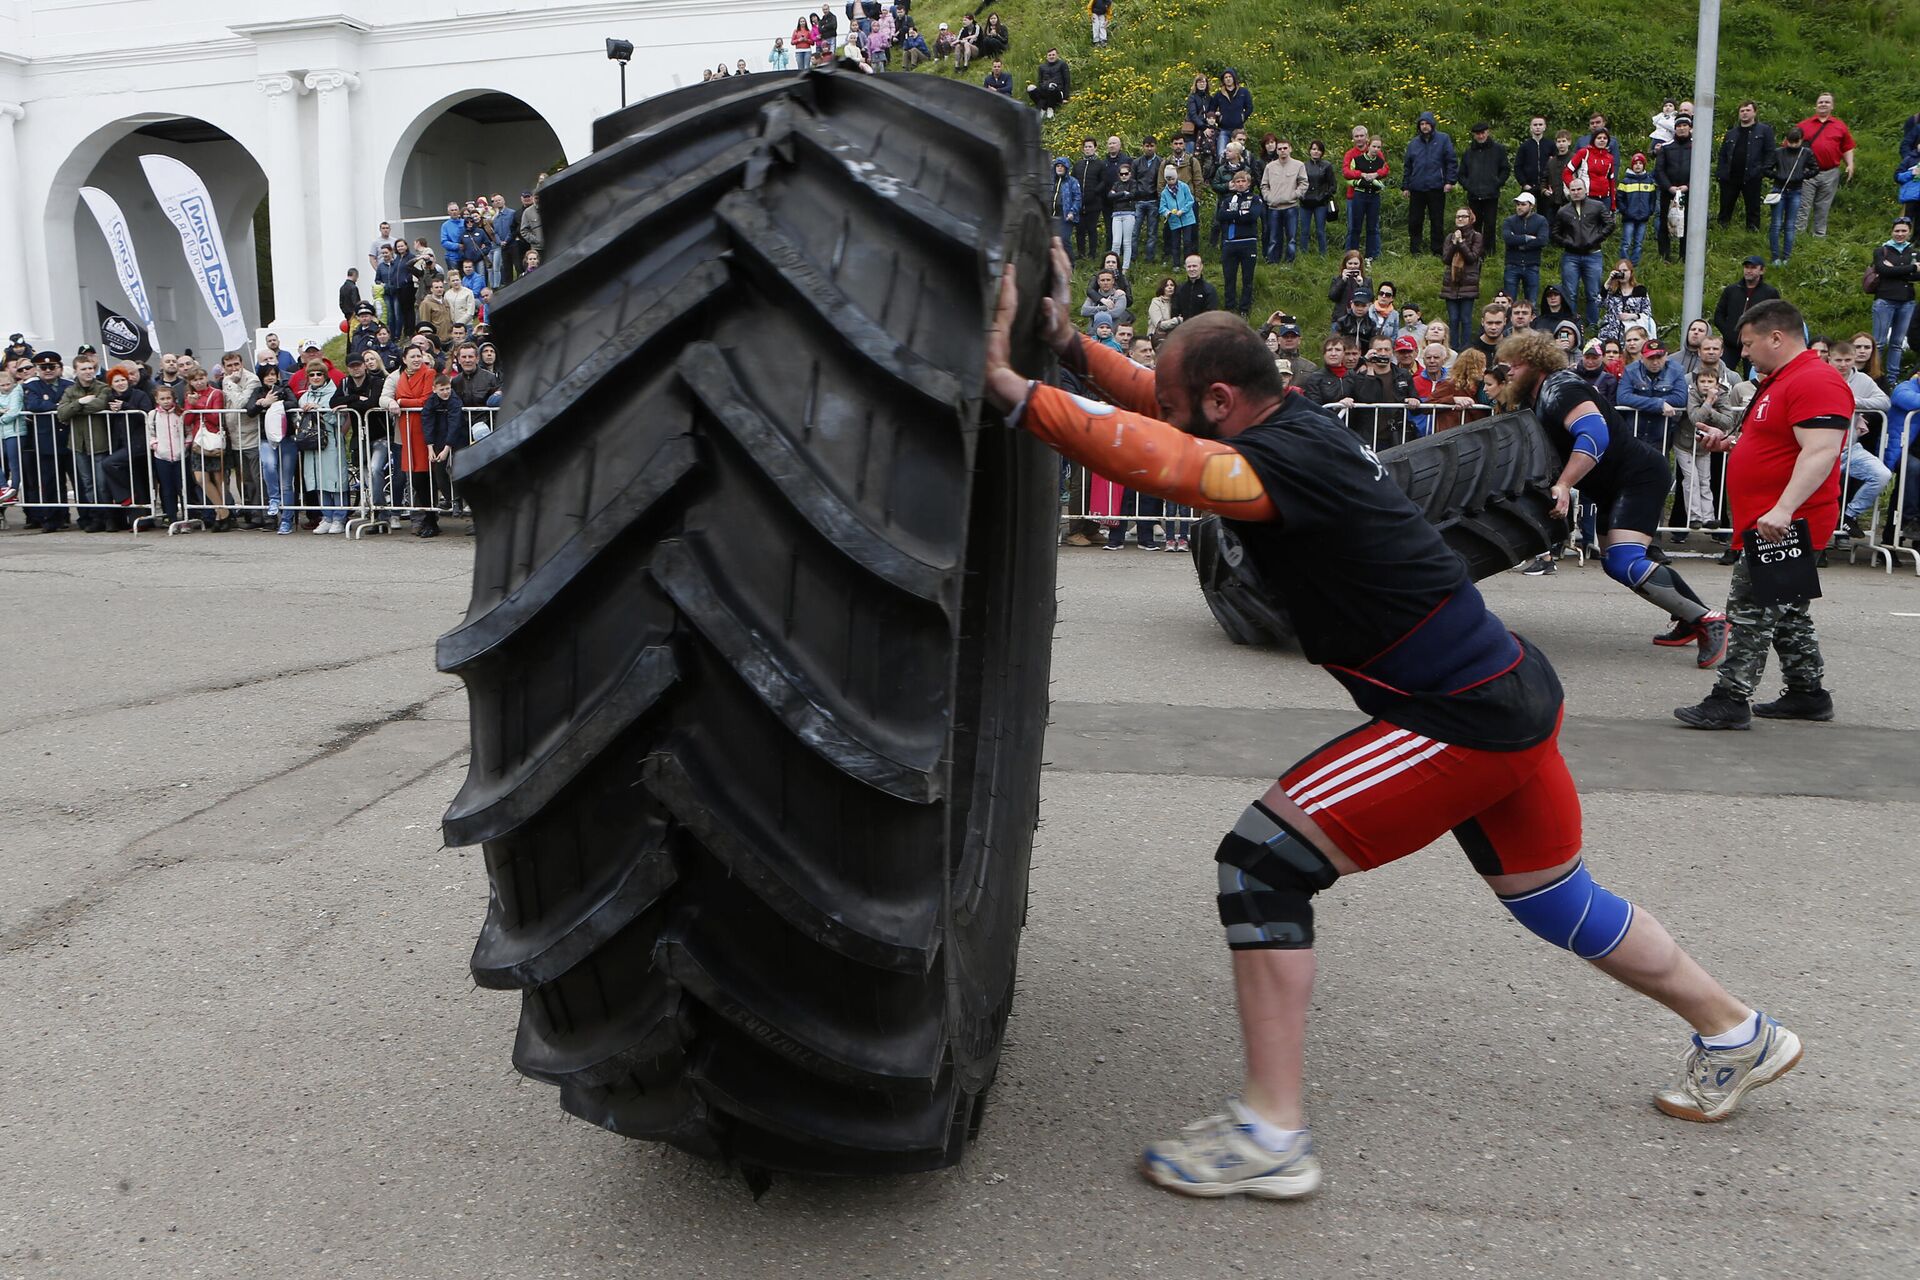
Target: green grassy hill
1318,67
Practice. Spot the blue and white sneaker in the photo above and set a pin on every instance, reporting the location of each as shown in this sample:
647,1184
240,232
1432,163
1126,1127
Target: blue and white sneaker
1716,1078
1219,1156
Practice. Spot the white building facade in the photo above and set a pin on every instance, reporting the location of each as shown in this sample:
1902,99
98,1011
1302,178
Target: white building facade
310,123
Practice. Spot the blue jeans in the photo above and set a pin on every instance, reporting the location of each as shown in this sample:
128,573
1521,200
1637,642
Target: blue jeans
1890,321
1869,476
1517,279
1147,231
10,463
333,506
1578,268
1315,228
280,474
1778,244
1633,238
1281,224
1365,206
1461,321
802,58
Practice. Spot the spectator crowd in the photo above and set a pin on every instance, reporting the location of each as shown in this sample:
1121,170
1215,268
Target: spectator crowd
1546,232
286,438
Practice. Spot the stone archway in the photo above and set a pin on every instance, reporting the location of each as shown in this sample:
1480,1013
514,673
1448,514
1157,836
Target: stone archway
78,261
476,142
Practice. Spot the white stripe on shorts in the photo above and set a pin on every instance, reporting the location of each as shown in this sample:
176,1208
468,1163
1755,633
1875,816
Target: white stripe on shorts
1302,794
1349,758
1374,779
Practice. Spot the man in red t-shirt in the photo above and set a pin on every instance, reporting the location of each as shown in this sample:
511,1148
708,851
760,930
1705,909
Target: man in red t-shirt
1831,142
1785,466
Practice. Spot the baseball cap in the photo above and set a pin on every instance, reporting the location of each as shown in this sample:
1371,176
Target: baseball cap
1284,367
1654,348
1361,295
1405,344
1525,197
1754,260
1593,348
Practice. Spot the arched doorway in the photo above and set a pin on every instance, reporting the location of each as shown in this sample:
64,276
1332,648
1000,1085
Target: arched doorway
478,142
77,252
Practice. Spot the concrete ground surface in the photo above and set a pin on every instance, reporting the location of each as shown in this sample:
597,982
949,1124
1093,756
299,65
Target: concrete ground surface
241,1039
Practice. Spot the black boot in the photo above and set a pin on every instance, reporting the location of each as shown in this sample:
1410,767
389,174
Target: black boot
1718,710
1798,704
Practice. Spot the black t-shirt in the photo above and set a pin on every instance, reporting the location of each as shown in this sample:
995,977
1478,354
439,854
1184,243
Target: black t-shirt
1378,597
1626,459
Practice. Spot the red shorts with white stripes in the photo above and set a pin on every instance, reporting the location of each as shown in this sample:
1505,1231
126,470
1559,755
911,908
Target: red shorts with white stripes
1382,792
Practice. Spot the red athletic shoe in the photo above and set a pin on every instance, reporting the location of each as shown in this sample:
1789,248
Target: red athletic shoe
1712,634
1683,634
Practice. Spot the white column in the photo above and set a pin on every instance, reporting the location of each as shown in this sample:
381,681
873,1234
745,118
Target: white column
293,268
337,238
13,262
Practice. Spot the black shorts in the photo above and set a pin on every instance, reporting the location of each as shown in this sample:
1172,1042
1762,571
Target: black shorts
1636,500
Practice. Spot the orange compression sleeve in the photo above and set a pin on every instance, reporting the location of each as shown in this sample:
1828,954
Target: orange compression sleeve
1148,455
1121,380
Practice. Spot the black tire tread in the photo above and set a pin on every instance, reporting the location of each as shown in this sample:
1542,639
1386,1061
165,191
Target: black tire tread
757,647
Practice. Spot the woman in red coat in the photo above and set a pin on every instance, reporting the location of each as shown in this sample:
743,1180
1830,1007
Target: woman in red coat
1595,163
410,392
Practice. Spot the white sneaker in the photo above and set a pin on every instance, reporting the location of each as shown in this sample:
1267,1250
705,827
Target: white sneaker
325,526
1716,1078
1218,1156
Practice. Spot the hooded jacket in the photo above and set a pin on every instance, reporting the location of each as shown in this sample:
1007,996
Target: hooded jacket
1639,196
1235,108
1430,161
1066,192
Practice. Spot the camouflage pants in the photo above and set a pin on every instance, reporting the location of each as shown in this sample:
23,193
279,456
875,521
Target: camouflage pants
1787,627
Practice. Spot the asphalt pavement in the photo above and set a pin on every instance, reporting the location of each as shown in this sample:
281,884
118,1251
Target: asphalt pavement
241,1039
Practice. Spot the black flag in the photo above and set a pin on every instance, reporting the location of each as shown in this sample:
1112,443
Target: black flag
121,338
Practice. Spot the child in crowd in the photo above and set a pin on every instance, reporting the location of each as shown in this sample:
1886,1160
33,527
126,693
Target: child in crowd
167,447
443,421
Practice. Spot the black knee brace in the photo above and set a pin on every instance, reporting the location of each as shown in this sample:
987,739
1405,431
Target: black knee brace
1268,876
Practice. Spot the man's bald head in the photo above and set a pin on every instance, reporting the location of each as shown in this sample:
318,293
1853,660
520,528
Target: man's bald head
1215,376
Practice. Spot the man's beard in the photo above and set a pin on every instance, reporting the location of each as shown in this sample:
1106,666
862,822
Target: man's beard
1517,391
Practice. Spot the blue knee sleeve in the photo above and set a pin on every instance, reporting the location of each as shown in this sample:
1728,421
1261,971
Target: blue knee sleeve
1627,563
1574,913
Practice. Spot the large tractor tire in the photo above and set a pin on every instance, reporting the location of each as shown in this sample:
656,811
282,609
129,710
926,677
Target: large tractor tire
758,645
1236,594
1484,485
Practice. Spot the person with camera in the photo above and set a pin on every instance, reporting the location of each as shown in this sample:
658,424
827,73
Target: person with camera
1782,467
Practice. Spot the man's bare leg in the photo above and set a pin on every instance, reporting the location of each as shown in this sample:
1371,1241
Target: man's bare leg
1652,963
1273,990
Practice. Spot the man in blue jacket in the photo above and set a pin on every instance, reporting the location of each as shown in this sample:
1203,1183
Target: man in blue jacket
1525,234
1903,432
1656,391
450,233
1428,175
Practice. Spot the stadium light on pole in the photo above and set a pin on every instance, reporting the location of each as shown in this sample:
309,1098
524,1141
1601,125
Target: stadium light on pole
1706,62
620,51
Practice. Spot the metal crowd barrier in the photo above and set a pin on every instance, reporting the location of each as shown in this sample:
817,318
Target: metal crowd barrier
61,471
